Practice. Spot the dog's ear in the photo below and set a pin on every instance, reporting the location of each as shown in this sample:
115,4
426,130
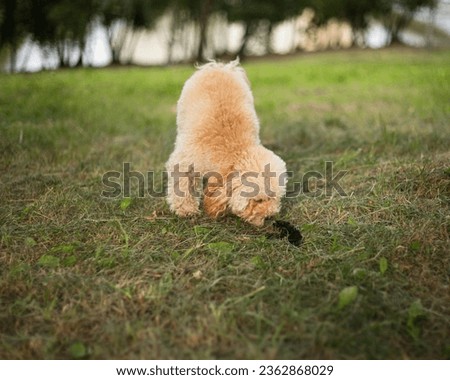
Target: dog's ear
256,211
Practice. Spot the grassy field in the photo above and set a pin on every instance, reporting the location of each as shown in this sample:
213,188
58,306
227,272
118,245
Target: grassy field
83,276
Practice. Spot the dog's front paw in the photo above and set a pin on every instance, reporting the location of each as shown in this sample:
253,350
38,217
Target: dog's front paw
185,208
257,221
185,213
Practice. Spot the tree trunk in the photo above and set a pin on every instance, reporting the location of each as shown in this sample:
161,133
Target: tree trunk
174,22
26,58
81,46
268,41
13,58
135,37
245,38
116,44
358,38
60,53
203,22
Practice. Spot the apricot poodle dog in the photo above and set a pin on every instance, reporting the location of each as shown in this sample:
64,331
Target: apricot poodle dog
218,145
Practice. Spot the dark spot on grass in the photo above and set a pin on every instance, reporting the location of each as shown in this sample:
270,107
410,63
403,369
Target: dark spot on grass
287,230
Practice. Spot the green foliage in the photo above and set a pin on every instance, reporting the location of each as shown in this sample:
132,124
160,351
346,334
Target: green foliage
49,261
416,312
30,242
347,296
51,22
77,350
255,11
397,14
202,230
125,203
383,263
221,247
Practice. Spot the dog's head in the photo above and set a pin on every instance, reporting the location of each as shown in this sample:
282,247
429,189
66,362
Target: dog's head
257,209
257,191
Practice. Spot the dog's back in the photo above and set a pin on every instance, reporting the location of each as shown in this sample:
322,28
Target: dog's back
216,107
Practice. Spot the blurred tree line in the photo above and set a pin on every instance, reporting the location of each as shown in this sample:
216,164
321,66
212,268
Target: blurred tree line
64,25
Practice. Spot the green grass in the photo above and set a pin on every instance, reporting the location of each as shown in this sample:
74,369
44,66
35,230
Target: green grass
86,277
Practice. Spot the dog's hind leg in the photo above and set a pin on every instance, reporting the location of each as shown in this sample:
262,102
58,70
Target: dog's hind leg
218,192
182,190
215,201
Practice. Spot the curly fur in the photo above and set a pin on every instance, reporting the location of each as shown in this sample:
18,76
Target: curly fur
218,138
